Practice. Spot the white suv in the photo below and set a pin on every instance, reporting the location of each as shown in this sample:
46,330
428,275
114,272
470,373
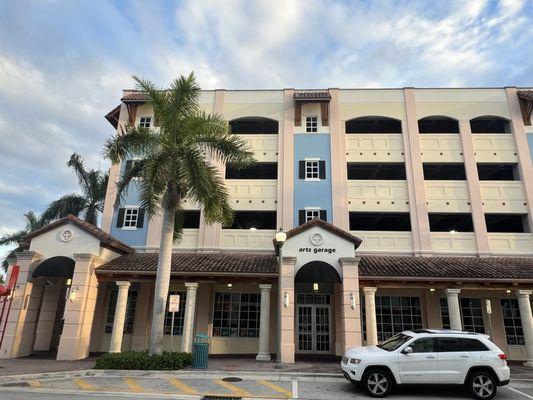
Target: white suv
429,356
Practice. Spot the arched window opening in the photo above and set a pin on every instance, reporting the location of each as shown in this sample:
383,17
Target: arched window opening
373,124
438,124
254,126
490,124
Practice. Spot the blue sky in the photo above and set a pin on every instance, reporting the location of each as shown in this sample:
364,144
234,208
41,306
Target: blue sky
63,64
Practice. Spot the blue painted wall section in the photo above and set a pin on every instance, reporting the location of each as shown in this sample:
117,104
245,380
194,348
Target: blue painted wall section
133,237
312,193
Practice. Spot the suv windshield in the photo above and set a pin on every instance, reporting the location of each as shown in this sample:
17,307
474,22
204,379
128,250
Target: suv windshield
394,342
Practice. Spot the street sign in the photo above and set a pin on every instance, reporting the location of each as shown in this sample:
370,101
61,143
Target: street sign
174,303
488,306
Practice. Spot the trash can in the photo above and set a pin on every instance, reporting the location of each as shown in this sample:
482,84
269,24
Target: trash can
200,351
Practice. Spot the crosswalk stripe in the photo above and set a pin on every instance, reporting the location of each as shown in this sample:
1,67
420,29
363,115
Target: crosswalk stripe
82,383
182,386
35,384
276,388
133,385
235,389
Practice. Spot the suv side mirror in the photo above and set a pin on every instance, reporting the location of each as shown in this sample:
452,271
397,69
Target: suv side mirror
407,350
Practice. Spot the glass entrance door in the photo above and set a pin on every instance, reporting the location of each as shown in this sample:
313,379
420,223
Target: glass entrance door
314,324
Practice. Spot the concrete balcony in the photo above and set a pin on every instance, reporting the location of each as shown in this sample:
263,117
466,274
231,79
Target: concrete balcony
511,243
441,147
453,243
378,195
264,147
384,147
189,239
503,196
494,147
247,239
384,241
252,194
447,196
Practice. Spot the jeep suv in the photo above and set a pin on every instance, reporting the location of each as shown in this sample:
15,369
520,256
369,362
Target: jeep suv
428,356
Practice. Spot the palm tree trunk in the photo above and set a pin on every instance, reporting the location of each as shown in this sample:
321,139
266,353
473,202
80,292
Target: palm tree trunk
162,281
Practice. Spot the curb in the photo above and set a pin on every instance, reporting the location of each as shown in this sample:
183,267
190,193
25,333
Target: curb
191,374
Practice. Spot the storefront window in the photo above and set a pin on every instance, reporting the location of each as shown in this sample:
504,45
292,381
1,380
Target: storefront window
236,314
512,322
395,314
178,316
130,310
471,314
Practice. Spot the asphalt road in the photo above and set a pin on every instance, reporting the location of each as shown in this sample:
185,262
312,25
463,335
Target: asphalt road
185,388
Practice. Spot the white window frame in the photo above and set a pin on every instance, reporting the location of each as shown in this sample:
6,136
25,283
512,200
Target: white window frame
131,214
312,212
144,119
309,166
310,124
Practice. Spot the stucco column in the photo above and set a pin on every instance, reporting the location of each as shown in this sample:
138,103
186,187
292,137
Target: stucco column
210,235
264,327
285,187
527,323
370,316
19,334
286,302
522,148
120,316
339,173
350,307
415,178
474,190
452,295
79,310
188,323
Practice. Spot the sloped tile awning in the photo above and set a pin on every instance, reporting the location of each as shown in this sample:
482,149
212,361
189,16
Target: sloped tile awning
525,98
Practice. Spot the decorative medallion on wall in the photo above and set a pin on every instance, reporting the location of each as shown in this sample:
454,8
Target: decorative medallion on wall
316,239
66,235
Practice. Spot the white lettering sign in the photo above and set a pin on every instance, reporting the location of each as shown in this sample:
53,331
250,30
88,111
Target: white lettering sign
488,306
174,303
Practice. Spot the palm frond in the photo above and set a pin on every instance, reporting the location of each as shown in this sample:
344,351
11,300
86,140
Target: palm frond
134,142
69,204
76,163
13,238
184,93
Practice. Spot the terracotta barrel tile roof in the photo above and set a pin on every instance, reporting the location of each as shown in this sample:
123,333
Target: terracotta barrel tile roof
378,267
312,95
526,94
237,263
135,97
451,268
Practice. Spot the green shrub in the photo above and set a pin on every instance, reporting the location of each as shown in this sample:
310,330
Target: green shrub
142,360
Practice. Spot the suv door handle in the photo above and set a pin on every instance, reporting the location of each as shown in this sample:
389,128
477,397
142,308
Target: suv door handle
464,356
431,357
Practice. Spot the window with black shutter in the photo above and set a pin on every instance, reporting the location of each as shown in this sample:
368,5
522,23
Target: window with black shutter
312,169
130,218
309,214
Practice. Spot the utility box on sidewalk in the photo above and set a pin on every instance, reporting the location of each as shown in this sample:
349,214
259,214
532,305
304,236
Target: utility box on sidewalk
200,351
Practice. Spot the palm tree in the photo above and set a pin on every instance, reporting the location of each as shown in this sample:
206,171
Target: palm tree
89,204
176,165
32,223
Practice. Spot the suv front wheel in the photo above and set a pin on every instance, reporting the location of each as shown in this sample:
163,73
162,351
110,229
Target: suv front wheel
377,383
482,385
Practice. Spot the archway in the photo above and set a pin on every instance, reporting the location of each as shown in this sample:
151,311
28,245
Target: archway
315,287
55,275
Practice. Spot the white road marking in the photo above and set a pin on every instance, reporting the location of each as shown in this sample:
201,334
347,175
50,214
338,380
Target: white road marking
518,391
294,389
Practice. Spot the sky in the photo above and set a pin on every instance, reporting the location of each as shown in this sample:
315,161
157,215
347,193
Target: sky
63,64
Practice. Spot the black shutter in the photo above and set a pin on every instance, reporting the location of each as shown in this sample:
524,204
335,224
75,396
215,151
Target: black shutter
322,170
140,218
301,170
323,216
301,217
129,164
120,217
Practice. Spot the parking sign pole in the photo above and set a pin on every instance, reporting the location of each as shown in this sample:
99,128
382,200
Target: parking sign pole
171,331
